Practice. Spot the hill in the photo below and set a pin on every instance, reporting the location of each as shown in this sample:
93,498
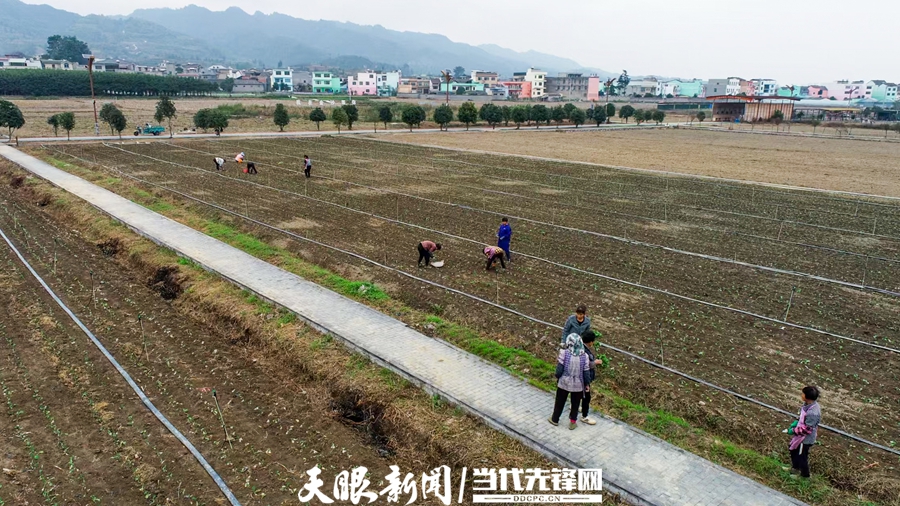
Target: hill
238,38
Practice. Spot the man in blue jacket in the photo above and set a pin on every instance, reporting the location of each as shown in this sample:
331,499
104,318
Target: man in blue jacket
503,237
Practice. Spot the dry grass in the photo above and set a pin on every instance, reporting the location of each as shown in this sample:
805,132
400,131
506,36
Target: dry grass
833,164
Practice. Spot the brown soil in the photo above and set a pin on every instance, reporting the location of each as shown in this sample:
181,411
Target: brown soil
290,398
832,164
728,349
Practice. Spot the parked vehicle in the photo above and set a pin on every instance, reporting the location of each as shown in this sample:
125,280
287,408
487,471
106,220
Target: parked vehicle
149,129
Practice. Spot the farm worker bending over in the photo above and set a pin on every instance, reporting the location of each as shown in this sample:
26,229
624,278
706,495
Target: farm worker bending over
503,237
578,323
251,168
307,165
494,253
240,157
220,163
426,252
573,375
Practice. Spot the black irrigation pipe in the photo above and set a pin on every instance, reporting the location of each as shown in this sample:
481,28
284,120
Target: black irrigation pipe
634,356
634,197
128,379
602,211
632,242
602,276
778,189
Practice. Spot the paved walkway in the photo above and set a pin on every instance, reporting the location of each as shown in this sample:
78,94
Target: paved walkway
644,469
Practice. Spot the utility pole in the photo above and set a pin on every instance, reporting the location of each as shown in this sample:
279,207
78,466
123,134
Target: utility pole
447,79
93,99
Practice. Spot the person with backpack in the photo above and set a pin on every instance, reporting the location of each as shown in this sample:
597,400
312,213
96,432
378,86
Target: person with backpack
589,338
804,431
573,377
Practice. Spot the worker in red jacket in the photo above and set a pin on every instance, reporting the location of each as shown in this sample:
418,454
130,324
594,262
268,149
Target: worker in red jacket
426,252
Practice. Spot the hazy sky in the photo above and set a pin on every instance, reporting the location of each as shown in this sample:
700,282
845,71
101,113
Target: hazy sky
791,41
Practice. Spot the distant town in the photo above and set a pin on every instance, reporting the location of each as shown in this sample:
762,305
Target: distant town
532,83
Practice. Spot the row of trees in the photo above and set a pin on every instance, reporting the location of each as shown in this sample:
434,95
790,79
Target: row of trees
69,83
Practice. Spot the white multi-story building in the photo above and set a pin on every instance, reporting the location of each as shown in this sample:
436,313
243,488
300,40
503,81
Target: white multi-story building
19,62
281,80
763,87
538,80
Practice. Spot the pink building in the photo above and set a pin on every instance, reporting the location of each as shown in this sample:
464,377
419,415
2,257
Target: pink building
518,89
817,92
846,90
365,83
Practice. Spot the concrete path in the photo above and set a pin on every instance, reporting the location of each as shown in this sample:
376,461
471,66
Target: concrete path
642,468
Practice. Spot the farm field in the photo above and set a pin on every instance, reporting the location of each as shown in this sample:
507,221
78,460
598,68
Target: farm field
831,164
74,433
753,289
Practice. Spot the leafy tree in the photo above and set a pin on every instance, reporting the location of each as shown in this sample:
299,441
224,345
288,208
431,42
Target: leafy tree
540,113
623,81
648,95
599,116
317,116
201,119
339,117
558,115
66,48
460,90
459,72
105,112
371,116
506,111
777,117
54,122
527,108
10,117
385,115
519,115
639,116
610,111
67,122
897,128
568,108
443,115
352,115
413,115
281,117
626,112
227,85
701,116
118,122
578,117
218,121
491,114
815,123
165,108
468,114
658,116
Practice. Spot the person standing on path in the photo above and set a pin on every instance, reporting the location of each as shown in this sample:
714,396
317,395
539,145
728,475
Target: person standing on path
503,237
220,163
307,165
572,373
494,253
589,338
577,323
804,432
426,252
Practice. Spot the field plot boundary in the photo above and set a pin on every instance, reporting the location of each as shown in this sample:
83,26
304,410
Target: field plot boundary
226,491
642,468
870,138
777,186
